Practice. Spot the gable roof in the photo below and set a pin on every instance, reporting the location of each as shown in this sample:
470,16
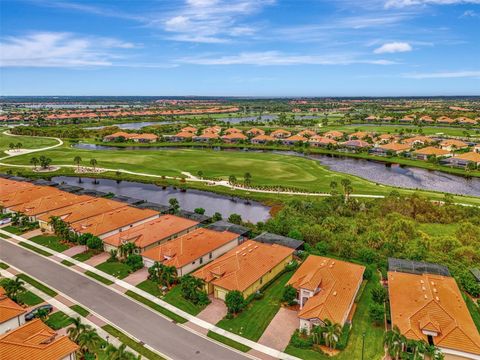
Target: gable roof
48,203
9,309
27,195
10,186
469,156
430,150
244,265
35,341
432,303
336,283
189,247
454,142
152,231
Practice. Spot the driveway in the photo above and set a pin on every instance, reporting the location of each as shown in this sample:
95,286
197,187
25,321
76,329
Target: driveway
137,277
146,325
278,333
214,312
74,250
97,259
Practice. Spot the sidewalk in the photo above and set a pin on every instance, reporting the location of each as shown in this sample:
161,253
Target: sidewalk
122,286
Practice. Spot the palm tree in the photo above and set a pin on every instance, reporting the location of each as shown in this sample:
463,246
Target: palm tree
232,179
14,287
433,353
94,163
127,249
42,314
77,160
332,333
247,178
347,188
89,341
11,146
77,329
168,276
120,353
18,145
394,341
34,162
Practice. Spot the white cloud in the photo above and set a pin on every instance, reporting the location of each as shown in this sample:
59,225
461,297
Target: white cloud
444,75
275,58
59,49
470,13
406,3
393,47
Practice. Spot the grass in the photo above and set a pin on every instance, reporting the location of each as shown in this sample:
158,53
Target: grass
27,297
84,256
13,230
150,287
3,266
98,277
436,230
80,310
50,241
58,320
156,307
174,297
228,342
361,324
28,142
33,248
474,311
37,285
134,345
252,322
118,269
67,263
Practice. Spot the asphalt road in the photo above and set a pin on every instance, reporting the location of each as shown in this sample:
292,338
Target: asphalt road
147,326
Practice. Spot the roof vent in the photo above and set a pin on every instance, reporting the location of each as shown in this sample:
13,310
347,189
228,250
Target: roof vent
334,293
425,296
437,298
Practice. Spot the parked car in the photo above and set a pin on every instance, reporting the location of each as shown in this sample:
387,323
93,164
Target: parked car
5,221
31,315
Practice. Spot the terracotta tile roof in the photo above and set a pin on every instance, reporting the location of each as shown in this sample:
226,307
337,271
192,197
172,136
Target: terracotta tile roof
395,147
356,143
112,220
452,142
430,150
433,303
10,186
189,129
27,195
359,135
35,341
83,210
244,265
213,129
333,134
296,138
420,138
189,247
49,203
371,117
337,282
408,118
9,309
152,231
465,120
232,131
207,136
145,136
386,137
118,134
234,136
469,156
255,131
427,118
445,119
184,134
317,139
263,137
307,133
280,132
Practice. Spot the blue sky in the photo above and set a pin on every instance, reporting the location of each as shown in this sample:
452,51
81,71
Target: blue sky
240,47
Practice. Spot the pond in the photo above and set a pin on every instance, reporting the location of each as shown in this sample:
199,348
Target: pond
132,125
190,200
375,171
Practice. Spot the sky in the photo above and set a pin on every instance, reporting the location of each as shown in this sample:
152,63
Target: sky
267,48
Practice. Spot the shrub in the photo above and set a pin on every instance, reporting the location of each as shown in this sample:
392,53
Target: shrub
367,274
235,302
113,256
200,211
379,294
235,219
94,243
301,340
292,265
377,313
134,261
289,295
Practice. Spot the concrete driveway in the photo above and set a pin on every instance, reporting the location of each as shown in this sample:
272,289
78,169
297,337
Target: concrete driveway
278,333
137,277
97,259
74,250
214,312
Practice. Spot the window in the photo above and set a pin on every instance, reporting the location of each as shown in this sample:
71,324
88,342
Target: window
201,260
261,280
430,340
193,263
210,255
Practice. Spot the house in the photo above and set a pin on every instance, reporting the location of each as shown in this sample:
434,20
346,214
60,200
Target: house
43,205
333,134
212,130
388,119
79,211
206,137
120,135
445,120
189,129
26,195
245,268
294,139
234,137
255,132
269,238
465,121
307,133
144,138
452,144
476,148
190,251
407,119
462,160
430,151
321,141
181,136
430,307
232,131
326,289
151,233
36,341
222,225
360,135
280,134
12,315
426,119
112,222
10,186
262,139
385,138
418,140
356,144
371,118
392,148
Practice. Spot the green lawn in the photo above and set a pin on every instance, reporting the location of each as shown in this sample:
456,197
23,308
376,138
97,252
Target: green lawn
13,229
228,342
80,310
175,298
436,230
117,269
67,263
37,285
84,256
3,266
361,324
253,321
150,287
98,278
138,347
28,142
58,320
50,241
27,298
156,307
34,248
